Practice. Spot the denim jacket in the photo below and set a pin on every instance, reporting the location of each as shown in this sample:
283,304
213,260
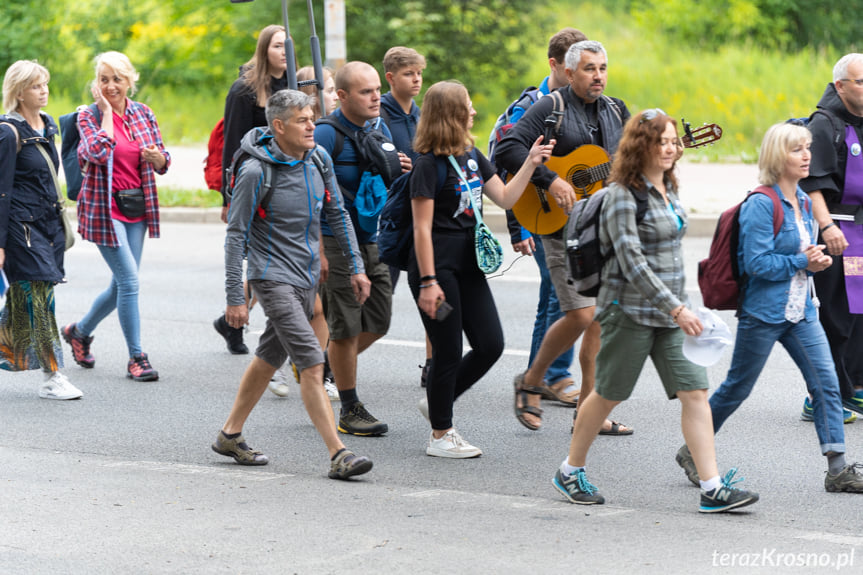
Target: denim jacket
769,263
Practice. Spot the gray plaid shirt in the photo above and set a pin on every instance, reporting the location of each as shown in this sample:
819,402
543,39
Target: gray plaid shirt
645,276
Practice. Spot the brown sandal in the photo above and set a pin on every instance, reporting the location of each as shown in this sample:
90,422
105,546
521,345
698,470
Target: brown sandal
521,393
557,392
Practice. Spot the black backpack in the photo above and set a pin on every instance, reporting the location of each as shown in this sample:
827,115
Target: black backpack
584,256
378,155
69,138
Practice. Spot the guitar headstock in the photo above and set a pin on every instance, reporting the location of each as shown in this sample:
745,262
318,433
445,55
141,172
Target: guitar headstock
706,134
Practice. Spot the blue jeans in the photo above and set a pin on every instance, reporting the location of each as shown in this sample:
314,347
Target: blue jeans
547,312
807,345
122,294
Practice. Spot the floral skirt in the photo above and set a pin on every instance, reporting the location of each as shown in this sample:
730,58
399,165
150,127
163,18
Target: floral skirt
29,338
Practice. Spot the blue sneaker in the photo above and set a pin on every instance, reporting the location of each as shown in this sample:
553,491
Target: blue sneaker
855,403
577,489
848,416
726,497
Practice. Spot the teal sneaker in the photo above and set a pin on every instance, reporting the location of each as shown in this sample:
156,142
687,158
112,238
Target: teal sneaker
577,489
726,497
848,416
855,403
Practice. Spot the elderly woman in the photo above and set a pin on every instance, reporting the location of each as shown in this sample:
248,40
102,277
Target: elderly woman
122,149
31,230
641,308
776,300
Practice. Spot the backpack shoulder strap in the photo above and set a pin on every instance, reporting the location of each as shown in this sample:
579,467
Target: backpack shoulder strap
342,132
831,117
557,112
778,213
614,107
14,131
319,158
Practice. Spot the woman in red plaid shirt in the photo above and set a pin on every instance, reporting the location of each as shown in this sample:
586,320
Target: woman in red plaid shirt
121,150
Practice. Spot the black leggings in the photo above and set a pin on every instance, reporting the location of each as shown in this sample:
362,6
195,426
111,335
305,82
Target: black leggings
466,290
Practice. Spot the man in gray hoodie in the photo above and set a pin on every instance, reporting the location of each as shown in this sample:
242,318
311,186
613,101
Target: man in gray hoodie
274,221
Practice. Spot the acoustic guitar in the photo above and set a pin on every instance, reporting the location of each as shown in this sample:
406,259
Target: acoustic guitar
586,169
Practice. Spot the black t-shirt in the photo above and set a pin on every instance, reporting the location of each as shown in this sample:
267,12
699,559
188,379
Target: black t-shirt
452,209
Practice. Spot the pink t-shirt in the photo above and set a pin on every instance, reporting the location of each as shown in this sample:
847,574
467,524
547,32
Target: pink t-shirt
127,165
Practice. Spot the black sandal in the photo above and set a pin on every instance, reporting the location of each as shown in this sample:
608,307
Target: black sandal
521,393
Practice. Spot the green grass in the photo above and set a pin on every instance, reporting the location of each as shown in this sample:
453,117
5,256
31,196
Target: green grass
172,197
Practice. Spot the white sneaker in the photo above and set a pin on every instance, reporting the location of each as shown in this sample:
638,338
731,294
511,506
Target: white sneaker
451,445
279,383
332,390
423,406
59,387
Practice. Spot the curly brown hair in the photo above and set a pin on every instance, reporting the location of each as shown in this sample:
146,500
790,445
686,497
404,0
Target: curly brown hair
442,128
640,141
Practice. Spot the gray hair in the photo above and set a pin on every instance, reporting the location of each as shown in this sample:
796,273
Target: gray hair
284,103
573,55
840,70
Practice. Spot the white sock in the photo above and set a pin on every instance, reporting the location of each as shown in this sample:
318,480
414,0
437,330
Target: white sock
48,374
710,484
567,469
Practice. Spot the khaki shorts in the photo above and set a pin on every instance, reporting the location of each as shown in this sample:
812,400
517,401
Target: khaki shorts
345,317
288,332
555,261
625,346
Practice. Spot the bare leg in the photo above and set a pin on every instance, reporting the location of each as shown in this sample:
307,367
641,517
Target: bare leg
343,361
252,386
318,407
319,323
592,412
696,421
366,339
587,357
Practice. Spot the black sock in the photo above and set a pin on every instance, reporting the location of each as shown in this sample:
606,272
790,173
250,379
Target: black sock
348,398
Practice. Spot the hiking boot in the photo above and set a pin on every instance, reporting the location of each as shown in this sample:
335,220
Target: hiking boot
279,383
331,389
577,489
451,445
139,369
80,345
684,460
239,450
358,421
424,375
233,336
58,386
347,464
846,480
726,497
808,412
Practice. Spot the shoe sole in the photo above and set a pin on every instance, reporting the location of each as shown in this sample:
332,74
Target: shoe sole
852,407
450,455
358,469
851,419
154,377
220,451
278,391
70,397
725,508
562,490
68,339
362,433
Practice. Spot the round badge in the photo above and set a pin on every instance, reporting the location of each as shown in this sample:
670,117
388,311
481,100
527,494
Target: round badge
388,147
472,165
855,149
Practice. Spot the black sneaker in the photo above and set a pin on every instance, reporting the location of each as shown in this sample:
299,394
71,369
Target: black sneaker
233,336
684,460
726,497
347,464
358,421
577,489
847,480
424,376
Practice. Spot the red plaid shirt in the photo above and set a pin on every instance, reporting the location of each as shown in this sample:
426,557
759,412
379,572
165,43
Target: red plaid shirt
94,200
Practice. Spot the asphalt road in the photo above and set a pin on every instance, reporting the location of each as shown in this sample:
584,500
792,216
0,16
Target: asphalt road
124,480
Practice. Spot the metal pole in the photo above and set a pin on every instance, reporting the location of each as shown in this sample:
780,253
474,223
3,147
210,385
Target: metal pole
291,60
316,58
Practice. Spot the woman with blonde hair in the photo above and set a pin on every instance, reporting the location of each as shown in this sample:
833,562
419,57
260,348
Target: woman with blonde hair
443,273
122,149
331,98
31,230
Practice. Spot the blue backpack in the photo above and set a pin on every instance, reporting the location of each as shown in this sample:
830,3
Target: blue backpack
396,229
69,138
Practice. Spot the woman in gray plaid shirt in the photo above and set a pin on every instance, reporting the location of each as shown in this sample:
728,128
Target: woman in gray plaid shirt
642,311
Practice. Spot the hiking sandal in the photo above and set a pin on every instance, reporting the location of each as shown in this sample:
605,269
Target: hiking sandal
521,393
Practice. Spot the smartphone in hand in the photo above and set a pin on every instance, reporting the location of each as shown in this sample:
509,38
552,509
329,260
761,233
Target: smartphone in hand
443,310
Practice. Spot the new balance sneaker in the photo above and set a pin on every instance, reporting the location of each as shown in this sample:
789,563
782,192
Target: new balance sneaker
856,402
279,383
846,480
807,414
451,445
577,489
358,421
57,386
239,450
331,389
233,336
726,497
80,345
139,369
347,464
684,460
424,375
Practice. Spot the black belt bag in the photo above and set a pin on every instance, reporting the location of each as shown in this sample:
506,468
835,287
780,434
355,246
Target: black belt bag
130,202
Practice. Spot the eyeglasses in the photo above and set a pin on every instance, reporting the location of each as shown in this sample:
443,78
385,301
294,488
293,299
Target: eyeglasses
858,81
650,114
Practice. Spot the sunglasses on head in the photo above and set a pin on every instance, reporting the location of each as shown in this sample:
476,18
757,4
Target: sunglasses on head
650,114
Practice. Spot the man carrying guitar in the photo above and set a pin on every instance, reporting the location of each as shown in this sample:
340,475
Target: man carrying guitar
589,118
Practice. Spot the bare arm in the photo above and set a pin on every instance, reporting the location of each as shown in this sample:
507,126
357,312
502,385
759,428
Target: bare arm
506,195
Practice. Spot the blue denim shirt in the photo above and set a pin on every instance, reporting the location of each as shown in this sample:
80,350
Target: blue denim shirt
768,262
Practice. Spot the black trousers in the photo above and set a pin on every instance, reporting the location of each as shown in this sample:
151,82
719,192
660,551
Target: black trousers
474,313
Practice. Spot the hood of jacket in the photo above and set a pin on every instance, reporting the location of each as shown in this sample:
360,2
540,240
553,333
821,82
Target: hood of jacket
831,102
389,102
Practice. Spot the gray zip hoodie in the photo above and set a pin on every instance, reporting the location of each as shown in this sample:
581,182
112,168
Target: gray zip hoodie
285,246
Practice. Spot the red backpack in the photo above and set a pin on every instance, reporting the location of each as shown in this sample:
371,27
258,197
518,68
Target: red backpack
213,161
719,277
